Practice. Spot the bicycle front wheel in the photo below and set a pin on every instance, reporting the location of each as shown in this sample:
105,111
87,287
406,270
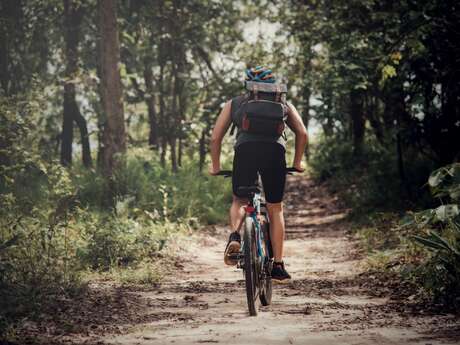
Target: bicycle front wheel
250,271
266,288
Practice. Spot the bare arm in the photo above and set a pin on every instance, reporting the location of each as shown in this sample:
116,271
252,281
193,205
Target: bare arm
295,123
222,124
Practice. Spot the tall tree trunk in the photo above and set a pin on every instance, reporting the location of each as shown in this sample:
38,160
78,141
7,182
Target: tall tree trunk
150,100
372,115
84,137
114,137
67,126
172,144
71,23
202,150
11,17
401,168
179,152
162,116
164,147
99,108
357,121
73,13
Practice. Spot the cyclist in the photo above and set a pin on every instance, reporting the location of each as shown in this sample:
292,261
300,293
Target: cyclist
258,154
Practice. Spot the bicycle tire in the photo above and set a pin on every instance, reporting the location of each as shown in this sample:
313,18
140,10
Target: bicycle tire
267,285
250,272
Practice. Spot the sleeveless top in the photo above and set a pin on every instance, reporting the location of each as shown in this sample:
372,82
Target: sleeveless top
245,137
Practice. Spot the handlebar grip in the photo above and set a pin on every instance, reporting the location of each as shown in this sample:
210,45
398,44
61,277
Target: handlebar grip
292,170
225,173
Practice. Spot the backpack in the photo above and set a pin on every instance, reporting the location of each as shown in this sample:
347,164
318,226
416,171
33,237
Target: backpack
263,111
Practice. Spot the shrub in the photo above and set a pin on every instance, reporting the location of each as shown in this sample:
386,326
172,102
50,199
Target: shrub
153,188
440,271
55,224
371,182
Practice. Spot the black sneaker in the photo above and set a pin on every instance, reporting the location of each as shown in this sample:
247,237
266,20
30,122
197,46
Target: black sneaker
279,273
233,246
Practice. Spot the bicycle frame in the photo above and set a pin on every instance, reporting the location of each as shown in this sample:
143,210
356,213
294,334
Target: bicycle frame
252,210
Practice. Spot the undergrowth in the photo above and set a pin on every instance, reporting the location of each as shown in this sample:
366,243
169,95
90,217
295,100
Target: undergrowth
57,227
405,231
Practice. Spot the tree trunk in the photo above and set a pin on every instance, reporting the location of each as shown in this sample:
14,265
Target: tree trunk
164,147
71,24
11,17
357,121
67,126
373,117
202,150
114,137
72,19
172,144
180,153
84,137
162,116
401,169
150,100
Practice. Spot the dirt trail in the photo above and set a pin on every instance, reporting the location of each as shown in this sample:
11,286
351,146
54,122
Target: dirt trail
327,302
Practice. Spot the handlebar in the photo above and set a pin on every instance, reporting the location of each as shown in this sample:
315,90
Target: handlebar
225,173
229,173
292,170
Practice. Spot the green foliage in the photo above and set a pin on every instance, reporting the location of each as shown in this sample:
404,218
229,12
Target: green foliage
145,186
372,181
37,205
441,227
55,224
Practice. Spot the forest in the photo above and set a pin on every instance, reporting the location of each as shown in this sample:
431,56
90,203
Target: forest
106,113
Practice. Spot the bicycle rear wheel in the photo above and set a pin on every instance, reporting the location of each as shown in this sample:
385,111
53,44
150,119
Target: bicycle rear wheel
250,271
266,287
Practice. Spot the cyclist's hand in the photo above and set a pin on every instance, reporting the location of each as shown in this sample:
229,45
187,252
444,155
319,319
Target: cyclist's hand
299,167
213,171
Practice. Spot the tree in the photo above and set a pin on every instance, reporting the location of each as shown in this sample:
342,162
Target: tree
114,138
73,13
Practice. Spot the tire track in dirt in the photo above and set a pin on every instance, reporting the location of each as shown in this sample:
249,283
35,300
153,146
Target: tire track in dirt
328,301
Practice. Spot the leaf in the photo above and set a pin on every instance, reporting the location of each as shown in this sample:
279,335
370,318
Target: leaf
430,244
11,242
407,220
388,71
454,192
425,217
436,178
444,242
447,212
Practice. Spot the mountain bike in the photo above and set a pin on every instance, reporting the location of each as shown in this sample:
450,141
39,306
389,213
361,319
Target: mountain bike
256,253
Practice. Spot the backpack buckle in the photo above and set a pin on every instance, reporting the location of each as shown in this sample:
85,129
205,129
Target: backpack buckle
256,92
278,94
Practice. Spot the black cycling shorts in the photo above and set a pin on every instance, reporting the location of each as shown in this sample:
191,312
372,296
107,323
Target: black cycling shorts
267,159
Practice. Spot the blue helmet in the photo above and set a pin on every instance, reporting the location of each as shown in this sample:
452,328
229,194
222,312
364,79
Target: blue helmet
260,74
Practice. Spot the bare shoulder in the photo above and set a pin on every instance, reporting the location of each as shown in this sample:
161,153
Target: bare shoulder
227,106
291,109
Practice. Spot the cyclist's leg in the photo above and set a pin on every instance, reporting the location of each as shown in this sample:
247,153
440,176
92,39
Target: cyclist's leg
273,175
244,174
277,229
237,212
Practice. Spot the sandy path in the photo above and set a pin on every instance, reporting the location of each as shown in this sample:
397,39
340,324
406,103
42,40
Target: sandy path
327,301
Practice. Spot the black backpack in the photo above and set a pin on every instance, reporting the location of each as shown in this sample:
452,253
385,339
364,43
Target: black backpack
262,111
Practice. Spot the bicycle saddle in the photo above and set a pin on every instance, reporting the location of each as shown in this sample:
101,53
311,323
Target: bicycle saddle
248,190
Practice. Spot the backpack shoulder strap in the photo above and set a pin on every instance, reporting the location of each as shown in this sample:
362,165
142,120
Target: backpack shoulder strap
236,103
